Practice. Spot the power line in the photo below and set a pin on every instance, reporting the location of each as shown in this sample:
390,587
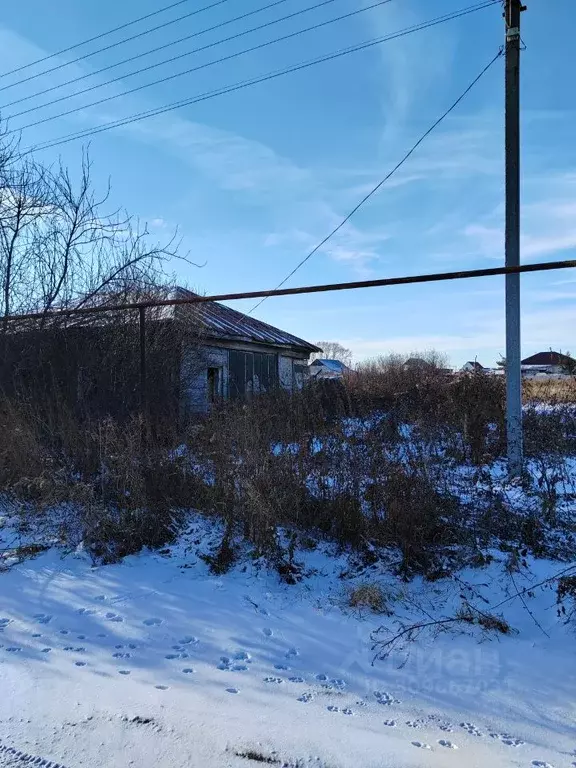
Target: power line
139,56
194,50
388,176
207,64
92,39
385,282
207,95
112,45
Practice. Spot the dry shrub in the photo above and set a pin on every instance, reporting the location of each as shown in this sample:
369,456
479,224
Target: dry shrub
566,597
420,519
370,596
487,621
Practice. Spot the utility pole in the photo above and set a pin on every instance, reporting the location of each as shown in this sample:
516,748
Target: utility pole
512,12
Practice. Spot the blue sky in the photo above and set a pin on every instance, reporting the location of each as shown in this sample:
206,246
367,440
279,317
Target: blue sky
254,179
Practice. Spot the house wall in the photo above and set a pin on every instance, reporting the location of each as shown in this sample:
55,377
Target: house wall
286,372
194,378
195,364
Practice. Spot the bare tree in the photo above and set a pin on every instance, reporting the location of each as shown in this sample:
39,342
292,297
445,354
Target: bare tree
333,350
62,249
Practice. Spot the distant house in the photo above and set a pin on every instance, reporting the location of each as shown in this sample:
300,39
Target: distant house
472,366
424,366
327,369
546,364
417,363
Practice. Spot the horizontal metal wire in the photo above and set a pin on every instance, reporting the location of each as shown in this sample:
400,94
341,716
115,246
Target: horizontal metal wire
380,283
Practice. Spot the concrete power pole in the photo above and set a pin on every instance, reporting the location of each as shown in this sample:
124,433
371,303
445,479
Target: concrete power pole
512,12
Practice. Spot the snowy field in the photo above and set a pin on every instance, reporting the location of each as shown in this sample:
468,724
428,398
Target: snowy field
156,662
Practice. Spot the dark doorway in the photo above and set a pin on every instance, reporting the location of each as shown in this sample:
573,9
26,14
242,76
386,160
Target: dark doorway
214,384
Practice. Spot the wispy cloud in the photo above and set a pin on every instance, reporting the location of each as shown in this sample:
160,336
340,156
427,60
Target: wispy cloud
406,75
548,221
543,329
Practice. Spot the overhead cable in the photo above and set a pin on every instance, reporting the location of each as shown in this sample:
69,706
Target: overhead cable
397,167
207,95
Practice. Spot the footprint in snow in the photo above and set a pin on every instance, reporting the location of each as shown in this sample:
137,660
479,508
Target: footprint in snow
276,680
296,679
188,671
161,687
332,708
80,663
64,632
243,656
506,738
80,637
152,622
13,649
42,618
447,744
306,697
86,611
123,671
101,634
292,652
413,724
421,744
232,690
188,640
390,723
36,634
267,631
385,698
284,667
4,623
100,598
120,655
471,729
322,678
45,650
540,764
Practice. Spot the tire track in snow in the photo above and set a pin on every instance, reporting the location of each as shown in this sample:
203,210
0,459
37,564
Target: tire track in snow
14,758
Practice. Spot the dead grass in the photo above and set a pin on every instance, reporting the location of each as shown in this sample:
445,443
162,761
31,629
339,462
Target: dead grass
550,391
369,596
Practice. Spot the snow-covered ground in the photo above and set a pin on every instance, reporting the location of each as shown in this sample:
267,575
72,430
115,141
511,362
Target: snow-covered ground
156,662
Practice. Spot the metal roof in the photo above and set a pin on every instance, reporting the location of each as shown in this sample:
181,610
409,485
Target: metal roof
546,358
222,322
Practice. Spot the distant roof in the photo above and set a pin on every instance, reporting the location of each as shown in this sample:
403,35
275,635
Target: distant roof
224,322
474,364
417,361
333,365
546,358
